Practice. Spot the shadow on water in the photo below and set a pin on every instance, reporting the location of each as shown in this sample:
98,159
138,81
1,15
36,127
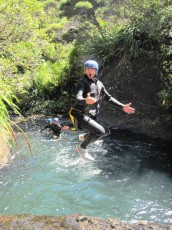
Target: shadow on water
129,152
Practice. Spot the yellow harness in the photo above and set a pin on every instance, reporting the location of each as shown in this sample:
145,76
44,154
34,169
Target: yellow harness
74,120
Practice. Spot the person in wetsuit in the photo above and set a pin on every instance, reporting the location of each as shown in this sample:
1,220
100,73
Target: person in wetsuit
54,126
89,92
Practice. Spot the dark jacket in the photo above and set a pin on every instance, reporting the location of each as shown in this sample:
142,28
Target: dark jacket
96,90
54,127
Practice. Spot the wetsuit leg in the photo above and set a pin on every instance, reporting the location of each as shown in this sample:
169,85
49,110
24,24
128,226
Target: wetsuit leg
96,131
57,134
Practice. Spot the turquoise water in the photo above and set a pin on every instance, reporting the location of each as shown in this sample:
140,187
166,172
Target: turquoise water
129,179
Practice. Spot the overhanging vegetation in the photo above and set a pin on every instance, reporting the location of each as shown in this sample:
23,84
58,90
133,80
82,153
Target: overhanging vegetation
42,44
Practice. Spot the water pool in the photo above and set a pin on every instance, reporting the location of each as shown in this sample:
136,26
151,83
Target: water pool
129,179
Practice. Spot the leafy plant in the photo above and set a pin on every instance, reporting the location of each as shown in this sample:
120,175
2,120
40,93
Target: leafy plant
6,102
83,5
118,43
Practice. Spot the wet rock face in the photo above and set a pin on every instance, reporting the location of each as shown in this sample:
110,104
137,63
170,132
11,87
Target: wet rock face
129,83
72,222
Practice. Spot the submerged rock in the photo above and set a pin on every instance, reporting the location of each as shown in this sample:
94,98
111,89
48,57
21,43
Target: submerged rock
72,222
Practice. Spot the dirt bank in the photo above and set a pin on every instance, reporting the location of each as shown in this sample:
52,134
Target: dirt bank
4,152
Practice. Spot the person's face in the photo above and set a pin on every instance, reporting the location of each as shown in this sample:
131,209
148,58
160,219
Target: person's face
90,72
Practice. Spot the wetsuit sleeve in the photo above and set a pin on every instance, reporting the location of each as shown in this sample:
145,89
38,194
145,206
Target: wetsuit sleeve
60,127
46,127
80,88
111,99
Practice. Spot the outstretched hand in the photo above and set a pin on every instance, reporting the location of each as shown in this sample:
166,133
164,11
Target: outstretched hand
128,109
90,100
66,127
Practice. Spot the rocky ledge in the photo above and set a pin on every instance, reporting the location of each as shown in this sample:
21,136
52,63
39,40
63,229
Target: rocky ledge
72,222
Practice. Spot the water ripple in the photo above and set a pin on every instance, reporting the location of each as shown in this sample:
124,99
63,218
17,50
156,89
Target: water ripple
130,180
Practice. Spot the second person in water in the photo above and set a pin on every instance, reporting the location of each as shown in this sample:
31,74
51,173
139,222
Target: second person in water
54,127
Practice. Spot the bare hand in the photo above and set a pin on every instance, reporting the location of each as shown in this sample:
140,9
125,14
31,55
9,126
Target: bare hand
90,100
66,127
128,109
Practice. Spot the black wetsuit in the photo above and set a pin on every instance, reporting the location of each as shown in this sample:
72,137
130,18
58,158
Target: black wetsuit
87,114
55,128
